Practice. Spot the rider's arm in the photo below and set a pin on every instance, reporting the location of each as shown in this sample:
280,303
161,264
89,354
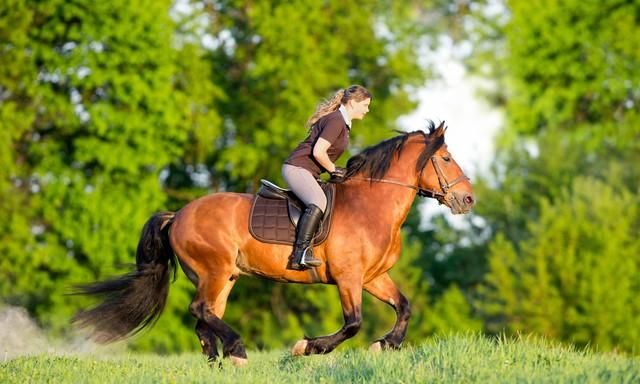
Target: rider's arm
320,153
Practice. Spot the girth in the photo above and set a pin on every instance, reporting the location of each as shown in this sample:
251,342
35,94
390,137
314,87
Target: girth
275,213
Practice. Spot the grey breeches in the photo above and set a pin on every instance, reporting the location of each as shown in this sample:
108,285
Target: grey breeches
304,185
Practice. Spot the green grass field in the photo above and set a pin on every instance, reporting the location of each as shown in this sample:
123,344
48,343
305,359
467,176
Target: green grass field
455,359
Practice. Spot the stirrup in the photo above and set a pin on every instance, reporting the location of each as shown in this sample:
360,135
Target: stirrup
296,266
312,262
302,264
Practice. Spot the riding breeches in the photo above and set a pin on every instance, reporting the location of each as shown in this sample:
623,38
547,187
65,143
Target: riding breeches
304,185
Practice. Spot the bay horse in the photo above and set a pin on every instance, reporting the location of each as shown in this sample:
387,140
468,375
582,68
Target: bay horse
211,241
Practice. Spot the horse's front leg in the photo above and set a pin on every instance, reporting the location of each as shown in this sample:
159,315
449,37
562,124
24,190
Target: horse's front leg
383,288
351,299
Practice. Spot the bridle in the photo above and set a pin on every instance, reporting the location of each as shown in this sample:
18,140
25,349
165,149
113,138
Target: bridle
445,185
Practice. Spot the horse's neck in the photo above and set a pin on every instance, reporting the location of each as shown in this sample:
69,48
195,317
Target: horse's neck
390,198
393,195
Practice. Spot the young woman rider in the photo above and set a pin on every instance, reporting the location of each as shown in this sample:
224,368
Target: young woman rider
329,129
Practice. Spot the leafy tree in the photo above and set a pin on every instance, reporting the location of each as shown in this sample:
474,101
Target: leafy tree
91,113
275,60
575,278
16,116
567,84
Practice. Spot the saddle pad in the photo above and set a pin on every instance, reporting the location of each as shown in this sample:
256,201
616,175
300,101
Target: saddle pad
270,223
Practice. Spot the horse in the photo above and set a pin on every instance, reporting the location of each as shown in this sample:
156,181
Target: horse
210,239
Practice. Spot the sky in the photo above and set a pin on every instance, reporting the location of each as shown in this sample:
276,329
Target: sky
472,122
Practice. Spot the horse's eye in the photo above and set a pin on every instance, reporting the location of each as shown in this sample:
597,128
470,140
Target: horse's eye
446,158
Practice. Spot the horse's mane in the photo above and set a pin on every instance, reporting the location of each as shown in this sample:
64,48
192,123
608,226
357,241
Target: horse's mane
374,161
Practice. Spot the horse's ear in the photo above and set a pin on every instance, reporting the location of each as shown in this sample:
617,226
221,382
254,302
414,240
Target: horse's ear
441,129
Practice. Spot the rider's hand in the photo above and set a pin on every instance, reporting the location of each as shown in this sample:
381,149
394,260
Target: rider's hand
338,175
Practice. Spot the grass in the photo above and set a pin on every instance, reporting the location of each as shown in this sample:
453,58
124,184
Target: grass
455,359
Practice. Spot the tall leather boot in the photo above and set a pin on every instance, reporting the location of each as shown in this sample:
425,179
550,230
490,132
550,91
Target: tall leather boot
302,256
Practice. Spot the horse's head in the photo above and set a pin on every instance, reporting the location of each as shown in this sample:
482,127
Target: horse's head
441,177
438,174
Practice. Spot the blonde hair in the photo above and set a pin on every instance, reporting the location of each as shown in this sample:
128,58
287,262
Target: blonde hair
354,92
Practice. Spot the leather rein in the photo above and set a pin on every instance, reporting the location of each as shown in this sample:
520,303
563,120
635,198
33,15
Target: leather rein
445,185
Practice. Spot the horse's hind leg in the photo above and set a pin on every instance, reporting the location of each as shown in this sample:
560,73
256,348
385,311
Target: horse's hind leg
383,288
208,307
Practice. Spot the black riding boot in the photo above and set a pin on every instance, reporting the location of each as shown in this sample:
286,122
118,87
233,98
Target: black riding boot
302,256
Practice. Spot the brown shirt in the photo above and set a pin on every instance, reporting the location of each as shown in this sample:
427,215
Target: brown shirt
330,127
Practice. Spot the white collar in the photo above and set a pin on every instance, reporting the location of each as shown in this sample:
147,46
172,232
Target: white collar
345,115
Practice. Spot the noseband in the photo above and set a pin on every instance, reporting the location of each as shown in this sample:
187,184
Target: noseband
445,185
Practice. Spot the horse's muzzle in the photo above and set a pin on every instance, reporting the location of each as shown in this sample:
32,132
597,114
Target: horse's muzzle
459,202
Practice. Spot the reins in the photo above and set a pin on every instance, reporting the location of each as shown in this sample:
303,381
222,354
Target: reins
387,181
423,192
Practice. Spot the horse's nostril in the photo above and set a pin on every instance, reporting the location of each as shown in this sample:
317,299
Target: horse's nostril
468,199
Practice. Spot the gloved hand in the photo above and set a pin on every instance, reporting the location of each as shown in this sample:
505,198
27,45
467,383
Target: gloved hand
338,175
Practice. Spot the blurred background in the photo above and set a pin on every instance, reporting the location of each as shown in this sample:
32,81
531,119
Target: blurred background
111,111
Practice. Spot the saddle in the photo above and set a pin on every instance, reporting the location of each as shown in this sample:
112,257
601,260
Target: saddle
275,213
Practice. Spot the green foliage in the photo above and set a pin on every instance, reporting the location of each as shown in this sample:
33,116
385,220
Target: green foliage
560,201
452,313
575,278
92,116
448,256
569,64
468,359
276,60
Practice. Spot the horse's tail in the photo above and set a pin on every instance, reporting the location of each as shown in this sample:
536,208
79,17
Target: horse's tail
135,300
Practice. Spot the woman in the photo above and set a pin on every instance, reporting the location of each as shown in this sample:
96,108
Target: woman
328,138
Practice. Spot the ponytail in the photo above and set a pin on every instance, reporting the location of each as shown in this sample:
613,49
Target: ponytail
354,92
326,107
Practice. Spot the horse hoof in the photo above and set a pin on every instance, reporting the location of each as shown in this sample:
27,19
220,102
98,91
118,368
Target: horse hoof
238,361
299,348
375,347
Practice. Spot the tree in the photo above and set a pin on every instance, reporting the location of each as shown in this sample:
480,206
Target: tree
276,60
91,114
575,278
566,83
